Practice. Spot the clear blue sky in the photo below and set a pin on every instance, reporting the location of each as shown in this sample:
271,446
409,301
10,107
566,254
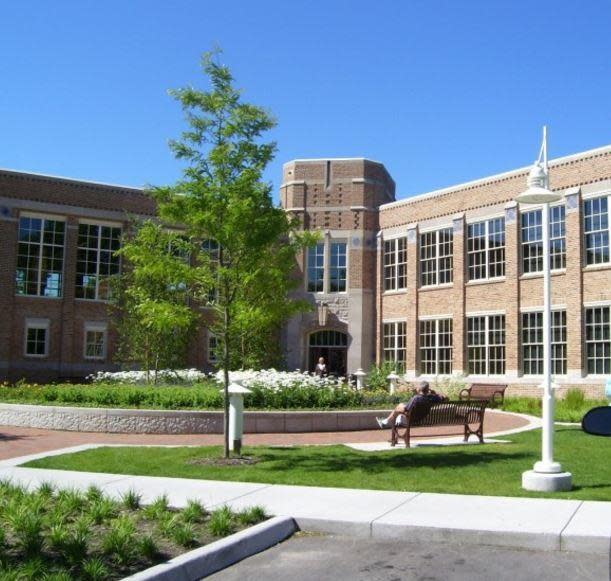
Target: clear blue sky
439,91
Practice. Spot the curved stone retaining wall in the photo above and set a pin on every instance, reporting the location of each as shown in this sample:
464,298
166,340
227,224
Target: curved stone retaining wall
136,421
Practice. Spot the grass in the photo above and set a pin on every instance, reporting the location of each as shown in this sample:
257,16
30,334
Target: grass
488,469
65,534
570,409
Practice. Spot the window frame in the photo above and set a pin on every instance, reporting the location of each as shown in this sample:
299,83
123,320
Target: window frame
553,254
487,250
605,328
98,251
337,268
556,345
40,253
436,347
397,249
39,324
95,327
396,338
314,252
436,258
487,345
600,231
210,338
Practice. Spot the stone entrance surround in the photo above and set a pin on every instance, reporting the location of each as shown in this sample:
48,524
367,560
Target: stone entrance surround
137,421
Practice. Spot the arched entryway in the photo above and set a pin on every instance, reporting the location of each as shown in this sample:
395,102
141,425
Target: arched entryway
333,346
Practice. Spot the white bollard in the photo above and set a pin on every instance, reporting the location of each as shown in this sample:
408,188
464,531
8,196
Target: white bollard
360,378
393,377
236,416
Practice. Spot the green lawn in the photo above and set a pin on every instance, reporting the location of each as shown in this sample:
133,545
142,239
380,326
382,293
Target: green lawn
493,469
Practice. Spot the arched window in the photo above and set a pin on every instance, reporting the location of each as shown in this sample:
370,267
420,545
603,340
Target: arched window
328,338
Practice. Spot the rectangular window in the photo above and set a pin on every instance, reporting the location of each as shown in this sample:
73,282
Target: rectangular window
436,250
532,237
486,344
598,340
96,260
213,346
40,257
394,338
486,249
36,338
532,343
596,229
316,268
436,347
337,271
95,341
395,264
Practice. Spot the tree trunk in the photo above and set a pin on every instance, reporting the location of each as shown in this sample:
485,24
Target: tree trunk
226,380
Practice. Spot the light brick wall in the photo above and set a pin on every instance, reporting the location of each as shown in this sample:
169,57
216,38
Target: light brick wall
489,198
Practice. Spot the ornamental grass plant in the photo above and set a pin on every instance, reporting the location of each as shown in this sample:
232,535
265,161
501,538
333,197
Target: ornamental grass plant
68,534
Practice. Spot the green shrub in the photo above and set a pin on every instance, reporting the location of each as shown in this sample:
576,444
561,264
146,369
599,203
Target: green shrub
119,541
147,547
183,534
221,522
193,512
131,499
102,510
251,516
157,508
376,378
574,399
95,570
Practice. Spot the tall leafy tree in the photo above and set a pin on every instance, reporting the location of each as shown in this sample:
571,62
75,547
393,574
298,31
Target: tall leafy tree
149,301
244,247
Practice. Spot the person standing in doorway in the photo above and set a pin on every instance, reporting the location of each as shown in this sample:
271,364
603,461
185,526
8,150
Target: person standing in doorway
321,368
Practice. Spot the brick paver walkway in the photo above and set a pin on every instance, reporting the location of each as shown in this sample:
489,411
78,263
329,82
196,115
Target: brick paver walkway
16,442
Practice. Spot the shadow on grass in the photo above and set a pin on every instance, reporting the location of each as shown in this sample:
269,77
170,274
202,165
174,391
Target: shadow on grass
291,460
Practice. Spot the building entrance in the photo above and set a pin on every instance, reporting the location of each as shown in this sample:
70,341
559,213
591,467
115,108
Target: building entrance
333,346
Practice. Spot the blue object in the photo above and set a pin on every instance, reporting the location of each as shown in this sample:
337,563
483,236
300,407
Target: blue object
608,388
597,421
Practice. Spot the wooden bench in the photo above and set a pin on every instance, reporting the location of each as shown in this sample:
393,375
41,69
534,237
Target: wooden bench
446,413
490,392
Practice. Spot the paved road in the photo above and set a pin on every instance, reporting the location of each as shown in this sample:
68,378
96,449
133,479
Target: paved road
324,558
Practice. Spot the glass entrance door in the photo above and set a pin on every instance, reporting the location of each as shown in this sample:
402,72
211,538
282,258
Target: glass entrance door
333,346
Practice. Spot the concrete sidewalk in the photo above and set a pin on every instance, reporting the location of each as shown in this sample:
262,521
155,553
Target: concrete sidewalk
544,524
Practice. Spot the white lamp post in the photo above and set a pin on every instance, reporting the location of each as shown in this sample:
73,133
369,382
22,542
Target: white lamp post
547,475
236,416
392,378
360,376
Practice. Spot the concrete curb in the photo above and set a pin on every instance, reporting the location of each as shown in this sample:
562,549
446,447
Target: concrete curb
221,554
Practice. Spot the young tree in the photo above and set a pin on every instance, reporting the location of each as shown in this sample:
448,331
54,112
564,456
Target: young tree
222,198
149,301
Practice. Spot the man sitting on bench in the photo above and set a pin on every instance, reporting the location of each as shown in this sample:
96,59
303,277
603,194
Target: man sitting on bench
424,394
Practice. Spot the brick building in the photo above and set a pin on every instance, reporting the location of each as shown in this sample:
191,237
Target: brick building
57,238
450,281
447,282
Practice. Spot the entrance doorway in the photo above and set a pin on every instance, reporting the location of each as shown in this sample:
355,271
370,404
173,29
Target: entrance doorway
333,346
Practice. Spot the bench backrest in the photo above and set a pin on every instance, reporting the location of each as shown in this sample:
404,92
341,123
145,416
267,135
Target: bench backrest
486,389
446,413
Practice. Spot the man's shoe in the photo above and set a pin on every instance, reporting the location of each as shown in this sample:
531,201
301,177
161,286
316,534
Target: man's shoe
382,422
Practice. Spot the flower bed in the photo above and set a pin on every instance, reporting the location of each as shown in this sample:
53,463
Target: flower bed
67,534
271,390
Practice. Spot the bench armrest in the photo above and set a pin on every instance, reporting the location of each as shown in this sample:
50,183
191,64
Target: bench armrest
465,393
